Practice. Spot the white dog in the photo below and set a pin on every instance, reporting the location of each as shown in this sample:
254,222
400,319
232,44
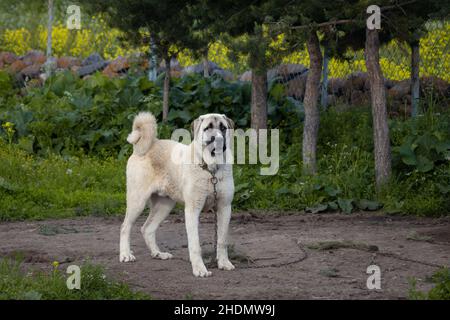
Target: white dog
165,172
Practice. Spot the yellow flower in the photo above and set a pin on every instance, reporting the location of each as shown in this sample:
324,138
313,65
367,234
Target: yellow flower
55,264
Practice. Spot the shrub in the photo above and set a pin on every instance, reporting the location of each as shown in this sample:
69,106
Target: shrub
51,285
440,291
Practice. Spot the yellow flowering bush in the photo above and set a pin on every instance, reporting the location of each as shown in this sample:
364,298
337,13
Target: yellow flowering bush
17,41
395,56
8,127
79,43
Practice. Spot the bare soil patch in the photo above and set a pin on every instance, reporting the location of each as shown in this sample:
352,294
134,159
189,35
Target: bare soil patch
277,256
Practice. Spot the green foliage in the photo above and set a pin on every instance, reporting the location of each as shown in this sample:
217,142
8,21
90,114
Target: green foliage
346,174
55,186
61,131
421,143
51,285
440,291
421,154
5,84
70,116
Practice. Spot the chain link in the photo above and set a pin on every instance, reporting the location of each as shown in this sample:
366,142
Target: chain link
214,182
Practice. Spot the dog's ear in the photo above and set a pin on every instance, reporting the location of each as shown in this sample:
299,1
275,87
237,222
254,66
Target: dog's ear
229,122
195,125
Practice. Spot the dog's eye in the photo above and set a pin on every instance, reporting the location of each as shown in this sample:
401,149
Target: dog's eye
210,126
222,127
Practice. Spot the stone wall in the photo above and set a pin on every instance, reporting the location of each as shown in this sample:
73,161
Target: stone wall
353,90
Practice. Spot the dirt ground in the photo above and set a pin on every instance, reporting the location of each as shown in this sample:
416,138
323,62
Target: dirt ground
277,256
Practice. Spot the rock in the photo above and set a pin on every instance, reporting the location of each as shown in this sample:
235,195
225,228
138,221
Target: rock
93,59
144,64
331,99
35,83
246,76
225,74
336,86
296,87
110,73
16,66
75,69
116,66
176,73
388,83
176,70
34,57
51,64
174,63
198,68
68,62
356,81
359,98
7,57
290,68
286,72
401,89
119,64
434,84
407,99
90,69
32,71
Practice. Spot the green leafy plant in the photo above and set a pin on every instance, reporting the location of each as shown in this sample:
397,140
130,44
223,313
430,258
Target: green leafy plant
51,284
440,291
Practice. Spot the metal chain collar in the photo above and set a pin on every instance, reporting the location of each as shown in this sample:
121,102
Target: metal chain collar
214,182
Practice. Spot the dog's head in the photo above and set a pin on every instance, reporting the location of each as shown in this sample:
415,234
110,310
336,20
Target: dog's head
212,133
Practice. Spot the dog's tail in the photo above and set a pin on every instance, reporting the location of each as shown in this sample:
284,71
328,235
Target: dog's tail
144,133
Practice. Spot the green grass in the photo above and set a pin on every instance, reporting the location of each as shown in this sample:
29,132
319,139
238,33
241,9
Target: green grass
440,290
48,186
20,284
39,188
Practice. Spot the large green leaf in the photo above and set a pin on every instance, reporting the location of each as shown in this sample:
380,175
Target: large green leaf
317,208
368,205
345,205
424,164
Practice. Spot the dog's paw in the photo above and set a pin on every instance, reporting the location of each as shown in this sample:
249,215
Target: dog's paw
127,257
225,265
162,255
199,270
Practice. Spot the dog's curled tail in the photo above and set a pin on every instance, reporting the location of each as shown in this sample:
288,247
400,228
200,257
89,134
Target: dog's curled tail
144,133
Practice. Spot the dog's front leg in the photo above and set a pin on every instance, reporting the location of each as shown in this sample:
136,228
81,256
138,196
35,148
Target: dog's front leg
223,220
195,252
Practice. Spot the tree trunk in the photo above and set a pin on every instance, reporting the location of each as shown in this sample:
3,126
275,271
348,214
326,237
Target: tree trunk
152,72
259,99
205,64
415,80
166,88
382,148
311,124
49,37
324,92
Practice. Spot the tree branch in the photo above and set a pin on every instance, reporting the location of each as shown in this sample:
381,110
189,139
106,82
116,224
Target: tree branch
346,21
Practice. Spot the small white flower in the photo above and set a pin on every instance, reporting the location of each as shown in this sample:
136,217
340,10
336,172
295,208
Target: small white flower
69,171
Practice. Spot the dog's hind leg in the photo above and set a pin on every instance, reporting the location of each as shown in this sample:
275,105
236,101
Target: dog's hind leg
159,210
135,205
